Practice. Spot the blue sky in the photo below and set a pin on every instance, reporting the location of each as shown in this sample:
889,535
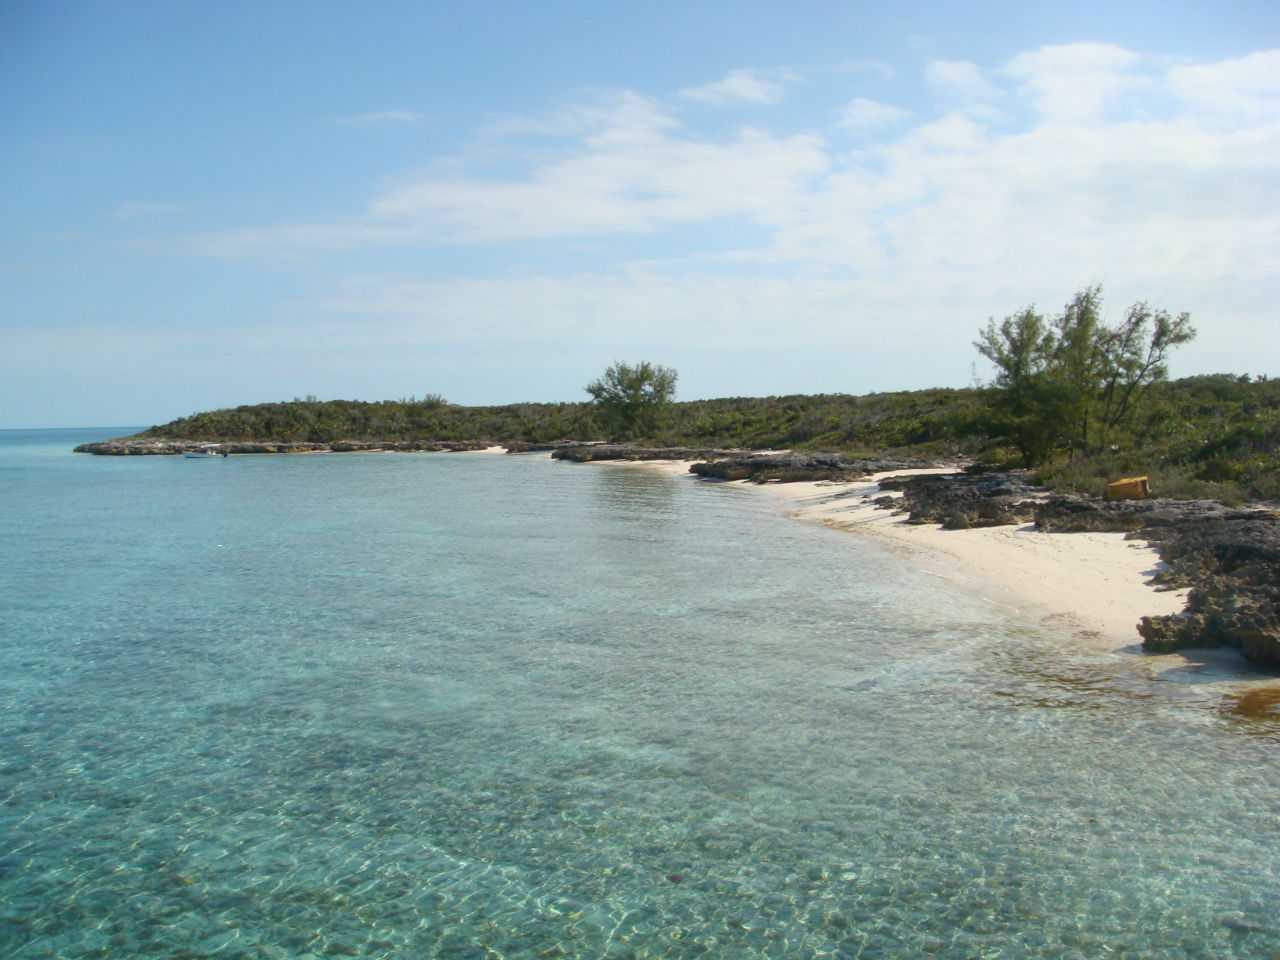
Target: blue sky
213,204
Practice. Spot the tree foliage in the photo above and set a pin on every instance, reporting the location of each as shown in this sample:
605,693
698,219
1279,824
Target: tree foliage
1069,383
632,399
1215,435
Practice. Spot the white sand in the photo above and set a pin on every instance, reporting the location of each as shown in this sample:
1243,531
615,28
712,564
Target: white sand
1091,586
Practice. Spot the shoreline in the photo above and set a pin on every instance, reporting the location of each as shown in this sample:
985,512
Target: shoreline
1090,588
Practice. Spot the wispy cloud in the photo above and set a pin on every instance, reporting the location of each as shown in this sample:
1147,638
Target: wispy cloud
134,209
960,79
864,114
1126,170
765,87
382,118
628,168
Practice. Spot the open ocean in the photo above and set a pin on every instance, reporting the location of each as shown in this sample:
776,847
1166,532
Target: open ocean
481,706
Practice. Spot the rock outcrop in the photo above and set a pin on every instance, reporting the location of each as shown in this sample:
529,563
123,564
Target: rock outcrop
1228,557
130,446
959,501
1231,562
526,446
590,452
795,467
1072,513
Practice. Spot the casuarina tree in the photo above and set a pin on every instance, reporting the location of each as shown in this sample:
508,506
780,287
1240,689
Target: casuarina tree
1068,383
630,400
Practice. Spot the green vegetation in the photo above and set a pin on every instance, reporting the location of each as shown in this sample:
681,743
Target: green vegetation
325,421
1215,436
631,401
1071,385
941,422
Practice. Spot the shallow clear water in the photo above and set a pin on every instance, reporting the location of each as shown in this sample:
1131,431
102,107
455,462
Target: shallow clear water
489,706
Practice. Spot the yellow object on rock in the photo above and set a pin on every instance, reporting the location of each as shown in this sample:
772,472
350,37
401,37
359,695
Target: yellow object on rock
1130,488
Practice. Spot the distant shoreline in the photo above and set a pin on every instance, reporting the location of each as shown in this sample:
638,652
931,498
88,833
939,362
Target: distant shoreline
127,446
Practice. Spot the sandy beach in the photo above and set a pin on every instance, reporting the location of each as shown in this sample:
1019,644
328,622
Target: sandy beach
1094,586
1091,586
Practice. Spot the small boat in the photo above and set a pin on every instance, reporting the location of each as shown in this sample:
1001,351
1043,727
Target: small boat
206,451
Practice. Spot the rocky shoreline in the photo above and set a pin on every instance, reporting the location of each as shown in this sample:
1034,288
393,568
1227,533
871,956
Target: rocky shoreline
717,464
1228,558
128,447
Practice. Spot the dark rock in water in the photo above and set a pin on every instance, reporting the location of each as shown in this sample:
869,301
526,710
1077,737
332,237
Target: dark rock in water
132,446
405,446
589,452
1230,559
524,446
265,446
126,447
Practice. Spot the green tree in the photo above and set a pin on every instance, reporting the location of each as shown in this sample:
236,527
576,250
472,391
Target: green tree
1073,382
1137,355
631,400
1021,348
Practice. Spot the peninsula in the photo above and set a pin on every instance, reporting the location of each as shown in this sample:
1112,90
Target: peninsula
1209,446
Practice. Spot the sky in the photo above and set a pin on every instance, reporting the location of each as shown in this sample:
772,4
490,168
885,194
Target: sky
207,205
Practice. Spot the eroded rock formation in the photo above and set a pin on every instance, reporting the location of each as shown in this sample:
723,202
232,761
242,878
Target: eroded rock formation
1231,562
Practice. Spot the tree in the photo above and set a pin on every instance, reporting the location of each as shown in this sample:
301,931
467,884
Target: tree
1073,382
1020,349
632,399
1138,353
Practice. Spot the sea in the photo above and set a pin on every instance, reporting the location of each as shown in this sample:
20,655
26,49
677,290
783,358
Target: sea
498,706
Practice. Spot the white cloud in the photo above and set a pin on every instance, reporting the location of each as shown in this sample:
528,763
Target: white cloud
1245,90
765,87
629,169
863,114
959,79
625,181
1127,175
1074,82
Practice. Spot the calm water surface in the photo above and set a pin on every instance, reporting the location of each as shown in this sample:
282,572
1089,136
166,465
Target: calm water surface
473,706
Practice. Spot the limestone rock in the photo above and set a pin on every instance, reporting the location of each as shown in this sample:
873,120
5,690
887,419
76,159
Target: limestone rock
1231,561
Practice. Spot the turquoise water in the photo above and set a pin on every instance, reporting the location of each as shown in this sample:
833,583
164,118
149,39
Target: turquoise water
475,706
